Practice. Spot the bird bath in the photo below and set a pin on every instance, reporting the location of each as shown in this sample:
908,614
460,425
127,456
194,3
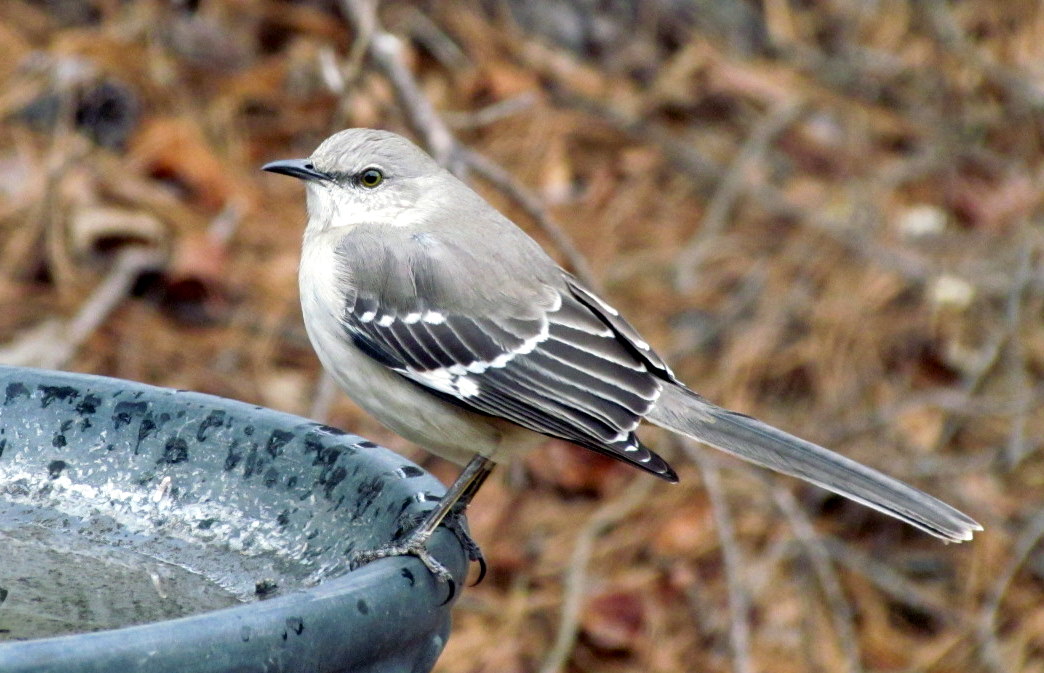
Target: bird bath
147,529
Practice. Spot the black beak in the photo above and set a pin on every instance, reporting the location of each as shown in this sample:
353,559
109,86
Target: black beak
295,168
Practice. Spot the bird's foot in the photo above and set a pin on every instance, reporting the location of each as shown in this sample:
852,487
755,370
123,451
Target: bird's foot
458,525
450,511
415,544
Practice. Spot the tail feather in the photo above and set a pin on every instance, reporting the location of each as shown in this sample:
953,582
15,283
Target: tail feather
683,411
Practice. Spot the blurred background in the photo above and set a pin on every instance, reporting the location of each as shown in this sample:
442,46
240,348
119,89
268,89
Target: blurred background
825,214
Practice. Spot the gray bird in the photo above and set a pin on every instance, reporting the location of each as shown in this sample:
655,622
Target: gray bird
453,328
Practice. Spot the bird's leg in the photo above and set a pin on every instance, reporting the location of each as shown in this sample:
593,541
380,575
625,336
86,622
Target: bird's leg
451,507
458,525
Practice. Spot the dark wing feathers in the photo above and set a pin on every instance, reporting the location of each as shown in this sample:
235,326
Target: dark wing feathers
569,373
634,402
626,333
443,339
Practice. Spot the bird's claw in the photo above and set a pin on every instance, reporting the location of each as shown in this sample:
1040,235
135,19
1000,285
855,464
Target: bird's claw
455,522
414,545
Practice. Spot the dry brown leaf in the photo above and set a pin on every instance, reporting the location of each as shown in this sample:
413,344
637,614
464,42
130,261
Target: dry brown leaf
574,469
769,86
502,81
556,178
614,620
686,531
95,230
13,48
193,284
679,80
994,206
173,148
921,427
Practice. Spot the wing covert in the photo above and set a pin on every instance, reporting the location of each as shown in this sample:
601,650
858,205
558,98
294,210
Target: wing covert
563,373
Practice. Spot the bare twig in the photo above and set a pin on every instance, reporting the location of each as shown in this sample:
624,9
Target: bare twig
1021,87
915,268
739,605
224,225
740,301
491,113
64,152
365,20
987,625
729,190
130,264
1016,448
604,518
66,338
386,51
887,579
428,33
706,174
708,619
325,393
840,610
503,181
1003,340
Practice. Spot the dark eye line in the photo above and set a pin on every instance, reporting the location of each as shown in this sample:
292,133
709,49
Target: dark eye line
354,178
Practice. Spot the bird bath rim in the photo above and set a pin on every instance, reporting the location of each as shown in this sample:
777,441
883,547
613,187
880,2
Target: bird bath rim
196,457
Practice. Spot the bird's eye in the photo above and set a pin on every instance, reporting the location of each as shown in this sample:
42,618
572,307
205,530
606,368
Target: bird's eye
371,177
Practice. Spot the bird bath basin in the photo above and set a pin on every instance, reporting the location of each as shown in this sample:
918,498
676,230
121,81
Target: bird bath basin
147,529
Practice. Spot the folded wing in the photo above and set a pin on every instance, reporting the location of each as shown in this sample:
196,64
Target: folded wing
564,372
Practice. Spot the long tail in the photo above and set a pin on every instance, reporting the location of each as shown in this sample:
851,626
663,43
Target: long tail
683,411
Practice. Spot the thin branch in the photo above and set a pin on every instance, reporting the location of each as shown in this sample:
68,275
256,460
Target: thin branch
64,152
435,40
1020,86
886,579
63,339
490,114
387,53
729,191
987,625
326,392
706,174
505,182
840,610
1016,448
365,20
739,605
607,516
130,264
1002,341
707,618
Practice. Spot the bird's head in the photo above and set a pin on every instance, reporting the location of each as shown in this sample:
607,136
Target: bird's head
361,176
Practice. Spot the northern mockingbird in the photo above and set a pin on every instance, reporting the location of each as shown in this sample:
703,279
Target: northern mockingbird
452,327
